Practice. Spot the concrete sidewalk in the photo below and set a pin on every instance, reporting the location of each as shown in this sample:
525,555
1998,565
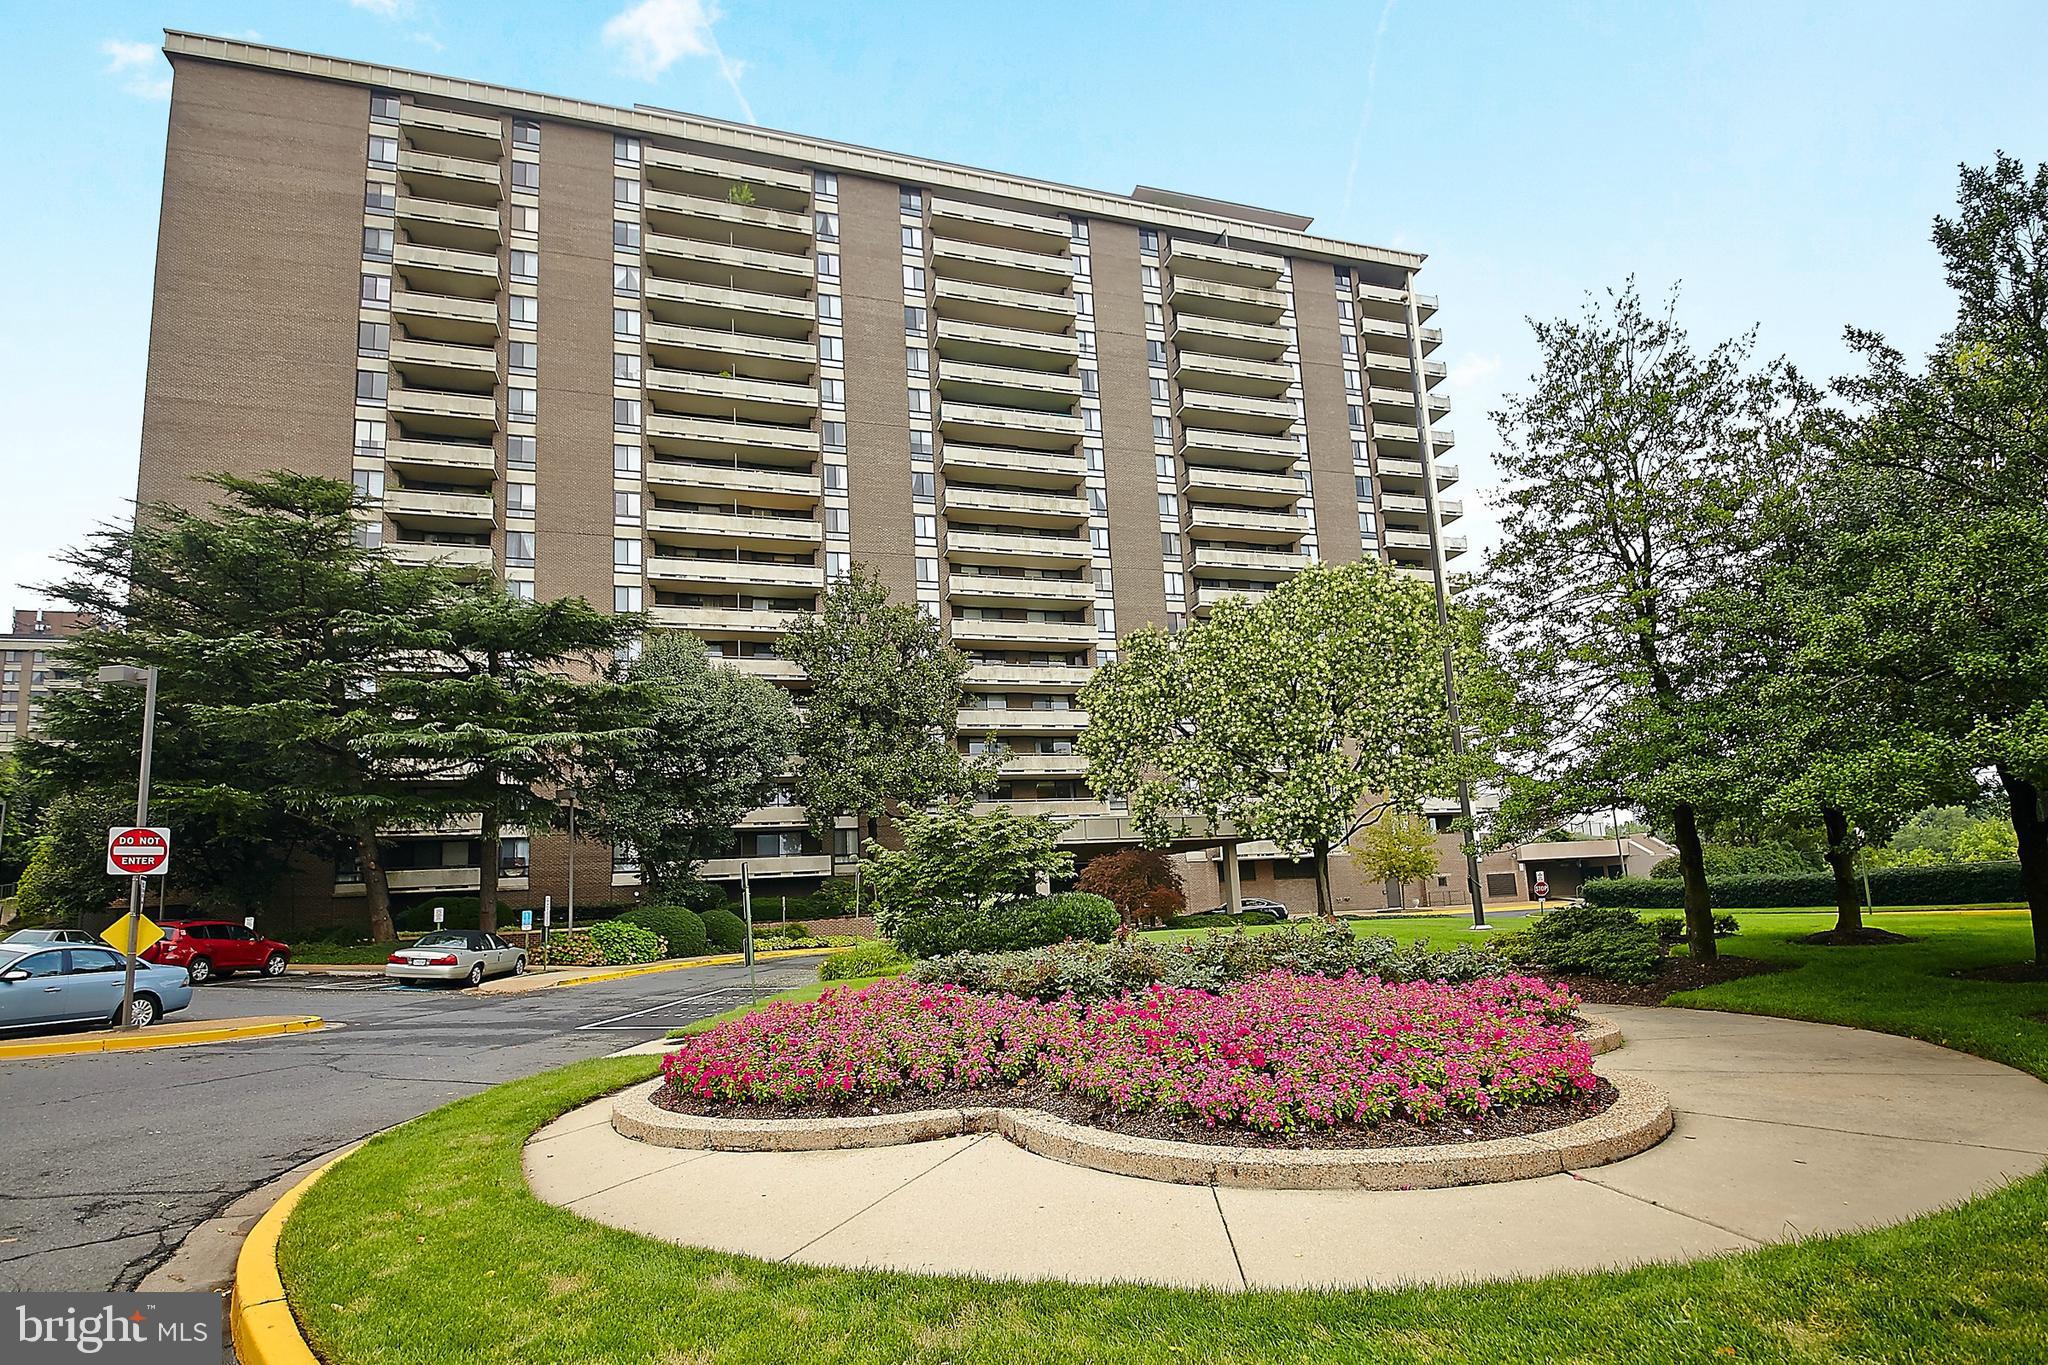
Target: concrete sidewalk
1784,1130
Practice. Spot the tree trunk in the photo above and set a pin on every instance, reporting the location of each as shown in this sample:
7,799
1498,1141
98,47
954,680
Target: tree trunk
1326,906
487,873
1692,865
1842,862
2031,828
376,886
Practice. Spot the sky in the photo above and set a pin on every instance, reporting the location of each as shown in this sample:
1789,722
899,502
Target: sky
1781,163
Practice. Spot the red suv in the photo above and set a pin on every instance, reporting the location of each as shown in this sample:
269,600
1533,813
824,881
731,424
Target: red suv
207,948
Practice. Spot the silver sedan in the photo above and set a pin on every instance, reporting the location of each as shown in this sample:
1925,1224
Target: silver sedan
466,955
71,983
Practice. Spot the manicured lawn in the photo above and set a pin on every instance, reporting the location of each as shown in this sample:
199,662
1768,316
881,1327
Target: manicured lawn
345,954
426,1246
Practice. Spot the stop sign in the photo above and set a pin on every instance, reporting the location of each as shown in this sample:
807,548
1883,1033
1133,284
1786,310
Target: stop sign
134,851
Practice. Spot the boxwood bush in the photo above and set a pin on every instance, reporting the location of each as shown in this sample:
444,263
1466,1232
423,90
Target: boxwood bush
622,944
875,957
681,932
726,931
1956,884
1033,923
1614,945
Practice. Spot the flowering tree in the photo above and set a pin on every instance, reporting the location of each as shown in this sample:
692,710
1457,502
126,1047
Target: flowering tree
1301,719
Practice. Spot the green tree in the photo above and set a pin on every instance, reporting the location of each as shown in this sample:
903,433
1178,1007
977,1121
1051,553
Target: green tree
878,724
1300,719
18,832
1637,469
496,714
1142,883
1948,834
955,860
715,744
1400,847
270,628
66,879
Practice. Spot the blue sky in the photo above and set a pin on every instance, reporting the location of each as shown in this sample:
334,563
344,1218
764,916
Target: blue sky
1783,162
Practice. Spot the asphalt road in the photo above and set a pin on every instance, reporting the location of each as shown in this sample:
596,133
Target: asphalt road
110,1160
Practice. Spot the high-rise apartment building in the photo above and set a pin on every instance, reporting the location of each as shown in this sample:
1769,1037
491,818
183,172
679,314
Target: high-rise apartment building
699,369
31,663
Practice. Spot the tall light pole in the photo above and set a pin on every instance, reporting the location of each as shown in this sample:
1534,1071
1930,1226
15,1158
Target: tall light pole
125,675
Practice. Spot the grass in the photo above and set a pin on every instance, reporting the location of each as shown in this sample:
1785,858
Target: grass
426,1246
345,954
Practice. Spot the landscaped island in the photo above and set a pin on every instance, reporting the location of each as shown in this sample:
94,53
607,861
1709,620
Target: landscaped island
1281,1059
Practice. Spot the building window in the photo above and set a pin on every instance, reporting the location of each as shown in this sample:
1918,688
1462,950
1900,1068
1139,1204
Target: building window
1351,384
909,200
525,220
924,528
367,535
1154,317
915,321
384,108
525,310
380,196
383,152
1176,585
626,322
519,499
1357,414
626,235
625,150
1162,428
831,348
920,402
522,357
833,435
828,308
525,133
625,191
521,403
832,392
525,265
920,445
835,478
919,361
369,437
369,485
913,237
828,265
1169,544
1159,391
626,280
922,487
519,549
373,338
837,521
627,597
828,226
825,183
1169,505
1091,383
376,291
1155,352
526,176
1098,500
1078,229
377,244
626,553
625,414
1148,241
625,506
1084,305
1148,276
371,386
520,452
626,367
625,459
927,569
913,277
838,564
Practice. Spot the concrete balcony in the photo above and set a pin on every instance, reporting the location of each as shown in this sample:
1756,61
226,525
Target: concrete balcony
1011,507
1449,510
685,572
1446,474
1382,303
688,260
955,259
1455,546
762,666
978,423
1404,504
1028,677
711,177
972,631
458,179
468,559
1001,306
1045,390
434,511
433,412
1231,302
1044,765
1232,412
1441,439
445,365
965,221
449,132
1016,468
443,461
1026,551
1393,336
1011,590
1219,336
1236,523
1059,810
1202,483
721,307
1396,439
714,395
798,865
443,879
747,484
1231,374
1396,539
728,623
711,436
732,530
438,317
716,349
721,220
1207,596
775,817
1238,450
1020,348
446,270
436,222
1223,264
1020,721
1249,563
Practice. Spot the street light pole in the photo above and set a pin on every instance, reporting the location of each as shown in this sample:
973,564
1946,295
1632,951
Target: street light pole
128,676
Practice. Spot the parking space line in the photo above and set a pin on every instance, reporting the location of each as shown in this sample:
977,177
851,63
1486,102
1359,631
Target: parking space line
615,1023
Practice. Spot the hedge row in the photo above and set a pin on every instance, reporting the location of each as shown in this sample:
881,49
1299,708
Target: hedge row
1958,884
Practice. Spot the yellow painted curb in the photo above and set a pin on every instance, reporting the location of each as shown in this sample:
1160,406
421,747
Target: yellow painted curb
722,960
264,1330
144,1039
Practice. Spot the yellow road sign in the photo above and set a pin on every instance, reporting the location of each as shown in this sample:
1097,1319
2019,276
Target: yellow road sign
146,934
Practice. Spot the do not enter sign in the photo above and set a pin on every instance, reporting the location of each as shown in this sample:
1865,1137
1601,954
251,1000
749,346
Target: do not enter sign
138,852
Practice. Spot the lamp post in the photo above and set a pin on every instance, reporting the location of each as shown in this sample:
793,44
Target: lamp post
125,675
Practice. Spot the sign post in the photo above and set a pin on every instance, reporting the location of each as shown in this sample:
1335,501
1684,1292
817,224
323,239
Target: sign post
747,910
129,676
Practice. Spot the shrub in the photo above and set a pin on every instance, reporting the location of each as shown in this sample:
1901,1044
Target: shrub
795,928
681,932
573,948
875,957
1671,928
1018,924
1957,884
418,917
726,931
1614,945
955,863
1142,883
1734,860
621,944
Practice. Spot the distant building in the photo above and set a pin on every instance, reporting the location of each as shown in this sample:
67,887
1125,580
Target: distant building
1567,865
29,665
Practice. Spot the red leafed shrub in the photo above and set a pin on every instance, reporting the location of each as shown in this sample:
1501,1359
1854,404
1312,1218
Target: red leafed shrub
1142,883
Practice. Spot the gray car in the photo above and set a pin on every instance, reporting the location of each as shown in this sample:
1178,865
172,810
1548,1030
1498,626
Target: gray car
69,983
25,938
466,955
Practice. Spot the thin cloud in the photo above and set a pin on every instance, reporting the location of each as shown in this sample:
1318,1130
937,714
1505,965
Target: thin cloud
135,66
388,9
654,35
1372,72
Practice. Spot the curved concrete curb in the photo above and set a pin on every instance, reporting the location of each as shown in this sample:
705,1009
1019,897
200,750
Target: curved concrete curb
163,1035
1638,1119
264,1330
1598,1033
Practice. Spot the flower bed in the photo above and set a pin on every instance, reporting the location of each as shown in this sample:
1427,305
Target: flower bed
1283,1056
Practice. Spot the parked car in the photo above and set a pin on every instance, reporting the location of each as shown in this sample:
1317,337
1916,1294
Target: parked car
210,948
1257,910
70,983
22,938
467,955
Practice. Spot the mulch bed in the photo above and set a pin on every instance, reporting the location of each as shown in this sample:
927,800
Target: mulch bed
2005,971
1679,974
1866,937
1501,1123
